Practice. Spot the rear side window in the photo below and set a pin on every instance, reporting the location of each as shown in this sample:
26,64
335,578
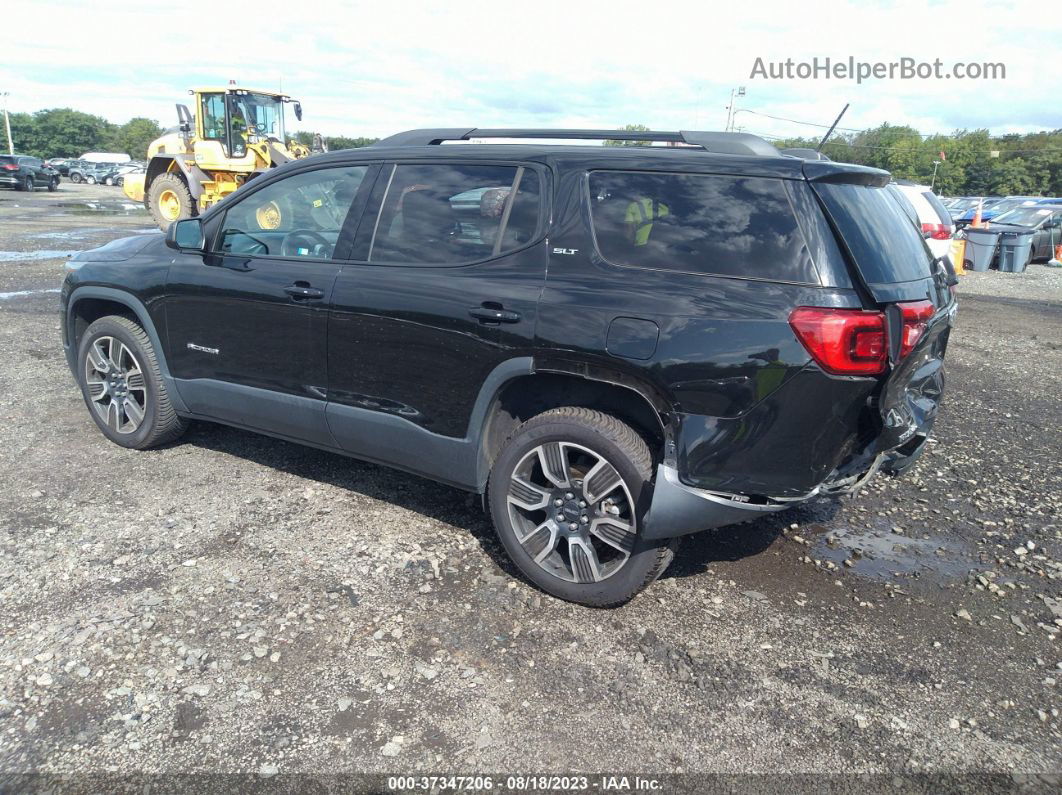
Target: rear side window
719,225
447,214
884,245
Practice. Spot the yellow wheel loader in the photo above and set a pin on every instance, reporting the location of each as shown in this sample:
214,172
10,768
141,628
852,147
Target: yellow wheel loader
234,135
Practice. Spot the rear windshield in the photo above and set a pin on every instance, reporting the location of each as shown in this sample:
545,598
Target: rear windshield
705,224
6,159
884,244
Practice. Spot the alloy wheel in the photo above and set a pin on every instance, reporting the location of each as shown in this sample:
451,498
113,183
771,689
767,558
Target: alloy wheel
572,512
116,384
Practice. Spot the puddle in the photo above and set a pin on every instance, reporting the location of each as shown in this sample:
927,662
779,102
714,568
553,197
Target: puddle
44,253
24,293
881,554
106,207
69,234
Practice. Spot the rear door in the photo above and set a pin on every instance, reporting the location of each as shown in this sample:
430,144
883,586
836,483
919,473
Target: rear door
900,276
444,288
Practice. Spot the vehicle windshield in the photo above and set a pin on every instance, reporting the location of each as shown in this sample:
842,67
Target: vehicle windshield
1025,216
259,114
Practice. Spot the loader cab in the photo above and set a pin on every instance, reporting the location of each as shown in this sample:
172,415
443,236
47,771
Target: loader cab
236,117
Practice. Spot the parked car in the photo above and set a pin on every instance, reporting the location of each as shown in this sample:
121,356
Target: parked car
23,172
909,211
99,172
969,205
1046,222
76,170
616,346
990,211
119,178
60,164
933,219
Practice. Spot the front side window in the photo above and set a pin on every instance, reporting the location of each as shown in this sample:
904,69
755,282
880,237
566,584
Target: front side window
300,216
719,225
443,214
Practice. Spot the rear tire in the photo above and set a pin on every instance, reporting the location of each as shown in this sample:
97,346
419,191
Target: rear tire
589,549
169,200
27,184
132,408
76,178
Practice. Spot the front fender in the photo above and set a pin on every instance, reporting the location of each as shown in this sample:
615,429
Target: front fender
134,304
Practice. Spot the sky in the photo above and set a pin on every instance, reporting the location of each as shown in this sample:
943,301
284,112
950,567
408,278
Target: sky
372,69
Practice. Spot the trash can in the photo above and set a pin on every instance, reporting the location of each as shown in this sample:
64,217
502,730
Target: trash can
1014,250
980,247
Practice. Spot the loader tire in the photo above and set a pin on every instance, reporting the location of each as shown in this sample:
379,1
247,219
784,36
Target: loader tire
170,200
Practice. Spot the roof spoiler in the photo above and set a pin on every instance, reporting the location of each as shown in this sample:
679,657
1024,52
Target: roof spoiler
727,143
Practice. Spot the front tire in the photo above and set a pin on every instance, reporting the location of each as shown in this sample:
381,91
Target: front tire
108,181
567,494
75,178
121,382
91,180
169,200
53,186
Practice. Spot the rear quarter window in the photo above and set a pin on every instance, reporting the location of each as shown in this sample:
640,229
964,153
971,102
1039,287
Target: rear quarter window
885,246
740,227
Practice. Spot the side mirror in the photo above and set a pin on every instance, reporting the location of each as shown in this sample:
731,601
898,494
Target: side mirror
298,111
186,235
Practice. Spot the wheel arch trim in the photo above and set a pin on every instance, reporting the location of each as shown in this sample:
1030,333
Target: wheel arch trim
134,304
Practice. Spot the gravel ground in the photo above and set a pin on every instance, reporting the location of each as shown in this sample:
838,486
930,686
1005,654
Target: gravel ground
233,603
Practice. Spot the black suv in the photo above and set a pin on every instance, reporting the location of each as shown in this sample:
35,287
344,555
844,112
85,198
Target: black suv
23,172
616,346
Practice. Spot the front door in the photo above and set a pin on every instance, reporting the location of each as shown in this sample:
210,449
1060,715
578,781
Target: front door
447,289
247,322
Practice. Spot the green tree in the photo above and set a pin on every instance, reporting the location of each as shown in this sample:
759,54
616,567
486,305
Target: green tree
1012,177
134,136
631,128
336,142
62,132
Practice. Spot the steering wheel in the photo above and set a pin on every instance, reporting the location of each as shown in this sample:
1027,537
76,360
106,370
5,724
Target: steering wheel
302,239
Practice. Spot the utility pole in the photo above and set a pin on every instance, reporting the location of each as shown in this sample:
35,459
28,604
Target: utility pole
7,124
933,182
734,92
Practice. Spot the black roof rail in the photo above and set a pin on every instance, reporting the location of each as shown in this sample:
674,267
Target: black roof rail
722,142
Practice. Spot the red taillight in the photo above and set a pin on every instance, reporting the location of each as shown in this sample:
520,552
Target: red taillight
10,167
842,341
936,231
916,315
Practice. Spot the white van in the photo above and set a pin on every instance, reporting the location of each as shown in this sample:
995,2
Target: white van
937,226
106,157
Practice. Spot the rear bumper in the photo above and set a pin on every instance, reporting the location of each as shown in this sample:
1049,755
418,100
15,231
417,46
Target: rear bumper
6,180
678,509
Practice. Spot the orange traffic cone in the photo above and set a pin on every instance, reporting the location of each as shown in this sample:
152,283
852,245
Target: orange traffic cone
976,223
